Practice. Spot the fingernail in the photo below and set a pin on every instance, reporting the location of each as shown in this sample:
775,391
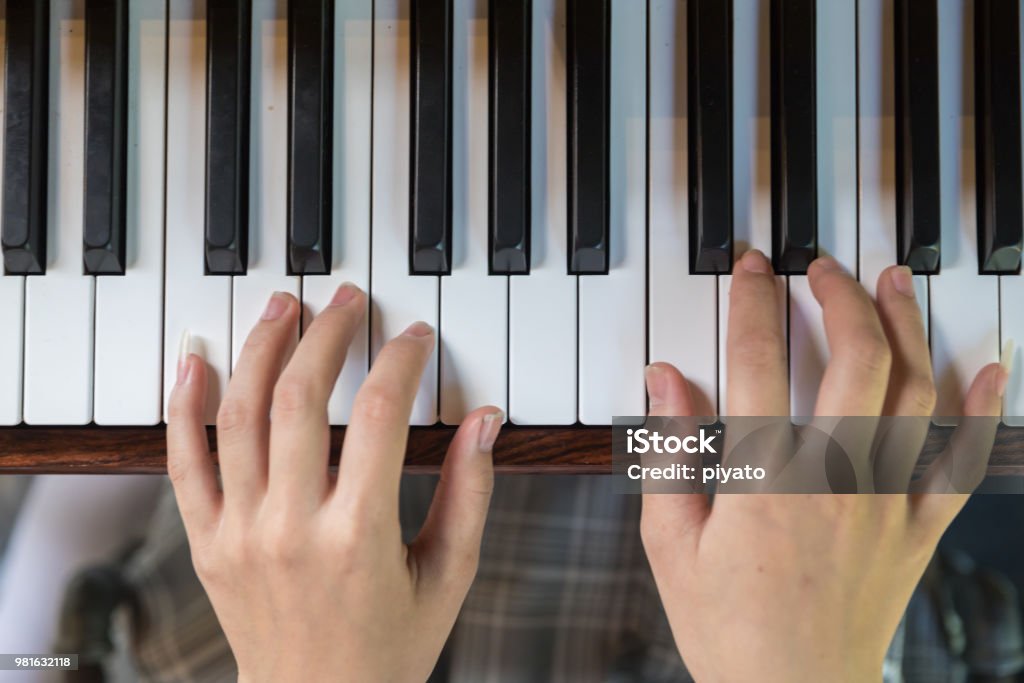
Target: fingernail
903,281
1005,368
490,425
1006,359
755,262
276,307
655,379
344,294
184,350
418,329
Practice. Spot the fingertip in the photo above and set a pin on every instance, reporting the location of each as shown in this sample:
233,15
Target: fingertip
984,398
419,329
825,267
668,392
754,261
490,426
347,294
826,264
479,430
190,380
897,280
280,305
186,408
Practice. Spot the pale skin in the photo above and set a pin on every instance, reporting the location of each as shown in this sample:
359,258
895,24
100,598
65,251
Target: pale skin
812,587
310,579
308,573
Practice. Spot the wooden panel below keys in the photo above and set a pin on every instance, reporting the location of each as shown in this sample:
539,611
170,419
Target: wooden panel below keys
520,450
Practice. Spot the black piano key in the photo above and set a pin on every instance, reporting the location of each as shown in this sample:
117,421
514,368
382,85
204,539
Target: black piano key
106,135
23,228
228,51
310,84
510,62
918,222
794,136
998,136
709,40
430,197
588,32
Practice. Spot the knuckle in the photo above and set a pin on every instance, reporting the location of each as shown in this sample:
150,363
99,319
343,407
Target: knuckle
921,390
257,341
234,416
211,557
378,405
177,469
236,550
283,547
293,395
761,350
869,353
207,568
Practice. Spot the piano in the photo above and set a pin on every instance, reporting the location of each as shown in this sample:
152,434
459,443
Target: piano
560,187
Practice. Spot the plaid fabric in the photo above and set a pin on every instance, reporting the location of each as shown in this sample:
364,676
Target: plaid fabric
564,593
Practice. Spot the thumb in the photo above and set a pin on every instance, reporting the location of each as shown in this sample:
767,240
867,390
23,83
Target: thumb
668,518
448,545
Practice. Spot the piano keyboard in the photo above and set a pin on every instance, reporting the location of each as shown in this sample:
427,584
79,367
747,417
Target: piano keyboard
559,187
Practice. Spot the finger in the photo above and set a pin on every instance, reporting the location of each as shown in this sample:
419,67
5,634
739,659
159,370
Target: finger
911,388
757,376
300,435
189,464
962,465
374,449
857,374
669,518
243,420
448,546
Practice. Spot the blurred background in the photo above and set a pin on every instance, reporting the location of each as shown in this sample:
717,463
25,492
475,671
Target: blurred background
99,566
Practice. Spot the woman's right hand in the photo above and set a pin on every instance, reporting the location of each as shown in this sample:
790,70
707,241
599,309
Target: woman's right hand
788,588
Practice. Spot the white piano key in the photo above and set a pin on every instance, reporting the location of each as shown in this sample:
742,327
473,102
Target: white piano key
194,303
543,305
836,89
752,190
474,305
268,178
12,304
964,306
1011,297
1011,336
808,348
129,309
612,325
398,298
353,87
59,305
678,302
877,147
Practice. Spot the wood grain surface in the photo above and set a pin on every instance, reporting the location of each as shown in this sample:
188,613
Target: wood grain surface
519,449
